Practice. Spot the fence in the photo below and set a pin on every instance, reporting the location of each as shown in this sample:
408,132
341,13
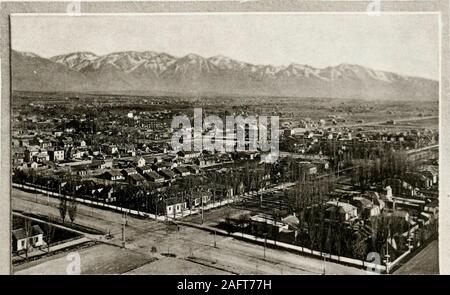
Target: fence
331,257
85,201
33,187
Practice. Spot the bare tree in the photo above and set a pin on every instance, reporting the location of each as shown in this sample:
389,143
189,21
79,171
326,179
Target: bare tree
27,228
49,233
62,209
72,209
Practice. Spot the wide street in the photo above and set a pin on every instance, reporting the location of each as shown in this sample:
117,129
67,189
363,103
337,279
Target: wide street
148,242
425,262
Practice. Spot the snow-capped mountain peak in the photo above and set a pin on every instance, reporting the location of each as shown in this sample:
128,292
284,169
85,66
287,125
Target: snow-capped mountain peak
150,70
75,60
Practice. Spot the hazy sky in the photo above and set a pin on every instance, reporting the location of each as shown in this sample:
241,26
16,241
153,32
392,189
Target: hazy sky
406,44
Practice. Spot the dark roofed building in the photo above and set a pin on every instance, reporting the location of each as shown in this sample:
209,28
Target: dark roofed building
153,176
183,171
136,179
167,173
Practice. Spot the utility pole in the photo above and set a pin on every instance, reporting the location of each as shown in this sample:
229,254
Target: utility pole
165,207
123,235
260,199
215,244
202,210
265,242
156,209
387,253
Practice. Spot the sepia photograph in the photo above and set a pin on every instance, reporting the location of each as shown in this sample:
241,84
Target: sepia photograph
219,143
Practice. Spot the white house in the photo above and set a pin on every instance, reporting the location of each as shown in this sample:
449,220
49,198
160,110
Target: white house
23,240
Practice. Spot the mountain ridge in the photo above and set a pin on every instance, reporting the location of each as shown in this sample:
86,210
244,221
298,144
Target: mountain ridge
192,73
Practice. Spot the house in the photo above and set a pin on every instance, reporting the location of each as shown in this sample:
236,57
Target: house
175,206
263,224
139,162
340,211
66,142
375,198
106,194
432,207
17,158
128,172
30,153
366,208
182,171
75,153
199,198
56,154
82,171
23,240
41,157
33,165
158,166
205,197
347,136
245,155
167,174
144,169
103,164
430,172
223,191
205,161
110,149
136,179
188,155
388,193
113,175
418,180
306,134
194,169
400,187
153,176
42,143
292,221
24,142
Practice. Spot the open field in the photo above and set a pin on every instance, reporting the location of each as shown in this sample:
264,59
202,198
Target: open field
287,108
99,259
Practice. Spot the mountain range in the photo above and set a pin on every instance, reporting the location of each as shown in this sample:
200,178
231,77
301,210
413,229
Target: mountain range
155,72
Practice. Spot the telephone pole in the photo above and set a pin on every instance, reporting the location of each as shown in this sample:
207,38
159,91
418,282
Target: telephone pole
202,210
123,231
265,242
